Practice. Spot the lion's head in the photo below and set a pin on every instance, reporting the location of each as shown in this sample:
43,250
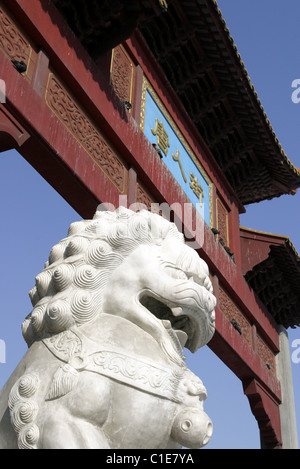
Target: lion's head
144,257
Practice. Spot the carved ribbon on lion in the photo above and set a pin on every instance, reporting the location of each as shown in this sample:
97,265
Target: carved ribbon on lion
130,370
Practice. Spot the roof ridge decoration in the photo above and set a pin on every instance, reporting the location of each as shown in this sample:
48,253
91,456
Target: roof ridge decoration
275,277
254,93
274,235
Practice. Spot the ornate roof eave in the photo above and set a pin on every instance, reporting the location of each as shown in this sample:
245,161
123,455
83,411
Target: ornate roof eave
276,277
102,25
257,102
263,172
192,44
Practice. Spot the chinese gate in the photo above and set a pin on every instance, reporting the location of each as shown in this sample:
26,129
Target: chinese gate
149,102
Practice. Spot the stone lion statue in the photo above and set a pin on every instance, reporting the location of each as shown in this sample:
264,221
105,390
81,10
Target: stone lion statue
113,308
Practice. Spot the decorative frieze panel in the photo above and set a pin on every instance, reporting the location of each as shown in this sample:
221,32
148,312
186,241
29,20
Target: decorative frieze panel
14,44
222,222
74,119
122,74
235,316
244,327
142,197
266,354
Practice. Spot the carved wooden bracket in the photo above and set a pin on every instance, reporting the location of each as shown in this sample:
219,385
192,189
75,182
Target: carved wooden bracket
13,135
266,411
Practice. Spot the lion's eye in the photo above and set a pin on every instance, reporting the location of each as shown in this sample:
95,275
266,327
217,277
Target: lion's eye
176,273
182,275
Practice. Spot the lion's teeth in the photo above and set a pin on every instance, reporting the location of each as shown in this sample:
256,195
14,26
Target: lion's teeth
176,310
167,323
182,337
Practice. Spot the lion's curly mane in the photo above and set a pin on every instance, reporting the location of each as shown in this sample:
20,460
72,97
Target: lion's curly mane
69,290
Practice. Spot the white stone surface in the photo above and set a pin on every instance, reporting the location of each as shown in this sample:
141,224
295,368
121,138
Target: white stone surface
116,303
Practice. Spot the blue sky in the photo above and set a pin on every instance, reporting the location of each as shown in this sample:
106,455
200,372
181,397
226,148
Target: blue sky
34,217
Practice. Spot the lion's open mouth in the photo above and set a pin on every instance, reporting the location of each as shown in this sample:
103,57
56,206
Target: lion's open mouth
188,318
181,326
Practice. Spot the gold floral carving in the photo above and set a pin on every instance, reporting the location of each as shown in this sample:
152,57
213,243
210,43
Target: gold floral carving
233,313
12,42
74,119
142,197
222,222
122,74
266,354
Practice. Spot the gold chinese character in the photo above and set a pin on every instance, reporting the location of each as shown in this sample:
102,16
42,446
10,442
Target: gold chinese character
162,136
176,158
196,188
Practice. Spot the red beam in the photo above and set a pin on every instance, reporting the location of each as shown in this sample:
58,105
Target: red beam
225,343
229,275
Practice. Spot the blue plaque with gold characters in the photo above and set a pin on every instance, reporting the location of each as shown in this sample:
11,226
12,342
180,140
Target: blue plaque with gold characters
162,132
